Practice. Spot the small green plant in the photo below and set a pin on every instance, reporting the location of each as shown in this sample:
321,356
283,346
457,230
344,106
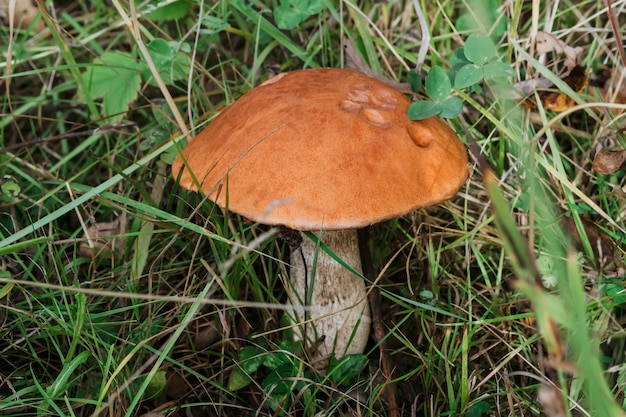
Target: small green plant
471,64
9,186
167,11
480,63
479,409
116,77
438,88
483,15
290,13
285,373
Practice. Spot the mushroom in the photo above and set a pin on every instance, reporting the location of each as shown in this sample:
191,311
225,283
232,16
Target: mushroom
327,151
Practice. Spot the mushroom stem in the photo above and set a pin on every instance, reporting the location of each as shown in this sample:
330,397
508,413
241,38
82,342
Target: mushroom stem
338,321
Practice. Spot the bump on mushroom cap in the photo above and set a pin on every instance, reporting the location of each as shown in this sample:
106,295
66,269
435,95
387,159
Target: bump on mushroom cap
323,148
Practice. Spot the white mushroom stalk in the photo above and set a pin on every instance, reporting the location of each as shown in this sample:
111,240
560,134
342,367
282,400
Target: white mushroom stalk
337,318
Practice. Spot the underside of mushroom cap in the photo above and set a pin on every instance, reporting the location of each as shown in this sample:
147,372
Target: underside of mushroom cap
323,148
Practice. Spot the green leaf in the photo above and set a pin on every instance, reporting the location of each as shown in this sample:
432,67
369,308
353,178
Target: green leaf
161,55
451,107
280,383
181,63
211,25
498,69
484,15
458,59
290,13
9,187
154,136
156,386
165,11
467,76
616,291
251,358
423,109
169,156
274,360
266,29
479,49
343,371
522,203
478,409
62,381
115,77
238,379
172,64
438,84
415,79
159,51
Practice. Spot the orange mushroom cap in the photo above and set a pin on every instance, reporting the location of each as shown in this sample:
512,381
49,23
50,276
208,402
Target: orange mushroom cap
323,149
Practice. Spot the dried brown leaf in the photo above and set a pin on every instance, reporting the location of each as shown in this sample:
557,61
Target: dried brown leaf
607,162
552,401
104,238
610,155
576,79
546,42
527,87
177,387
206,337
25,12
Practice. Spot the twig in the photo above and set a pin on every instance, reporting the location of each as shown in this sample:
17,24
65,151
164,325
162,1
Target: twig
97,131
380,334
616,31
355,62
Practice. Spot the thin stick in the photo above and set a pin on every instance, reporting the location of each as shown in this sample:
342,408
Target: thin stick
380,333
616,31
98,131
154,297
